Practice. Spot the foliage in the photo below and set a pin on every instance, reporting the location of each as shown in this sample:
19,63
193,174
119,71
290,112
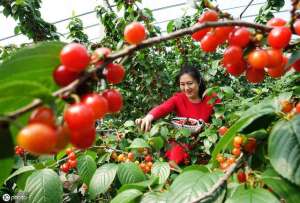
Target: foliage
76,33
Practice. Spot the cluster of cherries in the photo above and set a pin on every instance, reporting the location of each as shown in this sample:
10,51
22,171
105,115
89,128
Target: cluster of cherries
289,108
248,145
42,135
259,60
71,161
19,151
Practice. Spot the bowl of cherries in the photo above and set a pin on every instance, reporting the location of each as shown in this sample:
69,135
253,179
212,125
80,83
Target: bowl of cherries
191,124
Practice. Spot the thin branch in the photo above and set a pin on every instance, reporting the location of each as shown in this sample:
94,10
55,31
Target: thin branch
221,181
223,14
108,5
249,4
66,91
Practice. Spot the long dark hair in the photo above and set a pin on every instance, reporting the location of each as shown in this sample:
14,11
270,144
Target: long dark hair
194,73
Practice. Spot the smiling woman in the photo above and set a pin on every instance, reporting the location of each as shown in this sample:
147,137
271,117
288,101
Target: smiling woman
190,102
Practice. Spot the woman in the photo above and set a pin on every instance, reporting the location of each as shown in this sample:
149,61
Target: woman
190,102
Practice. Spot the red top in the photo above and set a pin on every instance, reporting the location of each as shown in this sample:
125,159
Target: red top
183,107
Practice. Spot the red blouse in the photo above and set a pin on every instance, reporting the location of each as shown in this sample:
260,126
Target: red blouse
183,107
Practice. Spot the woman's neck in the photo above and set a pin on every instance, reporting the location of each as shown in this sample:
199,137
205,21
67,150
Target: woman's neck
195,100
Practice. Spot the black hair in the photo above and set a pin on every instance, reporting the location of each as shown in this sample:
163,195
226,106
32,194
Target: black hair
194,73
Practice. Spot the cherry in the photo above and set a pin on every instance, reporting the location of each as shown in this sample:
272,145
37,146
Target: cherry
115,73
130,156
250,146
275,57
236,151
43,115
134,33
75,57
84,137
63,76
115,100
99,54
236,68
239,37
279,37
97,103
209,43
286,106
296,26
255,75
237,141
209,15
298,108
258,59
72,163
222,130
241,176
232,54
148,158
63,138
276,22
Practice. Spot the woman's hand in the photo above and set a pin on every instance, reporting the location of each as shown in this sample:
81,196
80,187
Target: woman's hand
145,123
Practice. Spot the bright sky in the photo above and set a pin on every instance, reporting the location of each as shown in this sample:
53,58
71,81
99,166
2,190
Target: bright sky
57,10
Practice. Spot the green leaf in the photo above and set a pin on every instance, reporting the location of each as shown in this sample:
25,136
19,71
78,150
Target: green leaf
280,186
141,186
154,130
6,168
252,195
201,168
15,91
284,149
228,91
44,186
130,173
86,168
161,170
170,26
129,123
21,170
155,197
138,143
127,196
164,131
188,186
102,179
32,63
156,142
293,58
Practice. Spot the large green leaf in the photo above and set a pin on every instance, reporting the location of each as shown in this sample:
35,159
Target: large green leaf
6,167
15,94
141,186
20,171
33,63
127,196
281,187
44,186
284,149
130,173
155,197
102,179
252,195
156,142
86,168
189,185
138,143
161,170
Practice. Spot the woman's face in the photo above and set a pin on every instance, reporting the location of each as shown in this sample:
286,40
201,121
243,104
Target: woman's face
189,86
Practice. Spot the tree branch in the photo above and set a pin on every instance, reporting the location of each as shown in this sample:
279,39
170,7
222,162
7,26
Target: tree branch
249,4
66,91
221,181
108,5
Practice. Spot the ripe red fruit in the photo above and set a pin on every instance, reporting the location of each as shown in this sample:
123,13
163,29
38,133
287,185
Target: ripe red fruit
286,106
197,36
236,68
134,33
37,138
63,138
275,57
63,76
236,151
78,116
115,73
298,108
296,65
115,100
276,72
232,54
220,158
97,103
222,33
276,22
75,57
258,59
279,37
148,158
255,75
209,15
72,163
99,54
296,26
250,146
239,37
241,176
130,156
72,156
65,167
84,137
209,43
44,115
222,130
69,150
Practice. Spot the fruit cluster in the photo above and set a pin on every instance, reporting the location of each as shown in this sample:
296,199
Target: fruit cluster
289,108
19,151
71,161
236,59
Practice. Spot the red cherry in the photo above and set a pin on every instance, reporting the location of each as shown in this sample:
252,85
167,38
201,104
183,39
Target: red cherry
63,76
148,158
72,163
222,130
239,37
78,116
99,54
65,167
97,103
115,100
84,137
43,115
258,59
72,156
75,57
209,43
255,75
135,33
296,26
241,176
197,36
236,68
209,15
232,54
279,37
276,22
275,57
115,73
